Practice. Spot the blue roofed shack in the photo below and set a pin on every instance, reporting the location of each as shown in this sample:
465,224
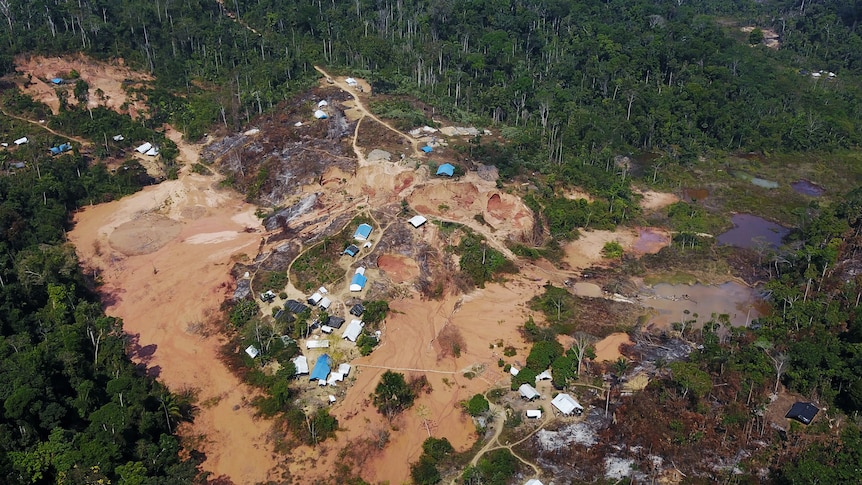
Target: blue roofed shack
321,368
362,232
351,250
427,149
446,169
57,80
60,149
358,282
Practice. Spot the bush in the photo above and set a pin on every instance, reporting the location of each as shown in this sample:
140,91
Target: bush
392,394
242,312
366,343
477,405
612,250
375,311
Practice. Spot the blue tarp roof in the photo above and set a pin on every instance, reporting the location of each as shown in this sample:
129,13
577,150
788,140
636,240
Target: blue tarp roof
351,250
427,149
359,279
446,169
362,232
60,149
321,368
57,80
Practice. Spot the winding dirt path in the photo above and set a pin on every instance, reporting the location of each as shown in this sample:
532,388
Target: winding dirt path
43,126
365,112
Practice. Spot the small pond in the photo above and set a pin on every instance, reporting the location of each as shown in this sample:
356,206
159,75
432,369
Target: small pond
766,184
750,231
741,303
806,187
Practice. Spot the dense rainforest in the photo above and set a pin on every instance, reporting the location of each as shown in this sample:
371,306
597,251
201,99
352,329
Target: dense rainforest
568,84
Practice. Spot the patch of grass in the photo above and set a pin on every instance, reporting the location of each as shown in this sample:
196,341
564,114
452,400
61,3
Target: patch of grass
318,266
201,169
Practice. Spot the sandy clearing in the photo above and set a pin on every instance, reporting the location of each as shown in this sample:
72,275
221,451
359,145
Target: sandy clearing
586,251
608,348
109,78
653,201
162,294
212,237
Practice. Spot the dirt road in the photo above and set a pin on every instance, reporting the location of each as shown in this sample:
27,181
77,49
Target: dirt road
366,113
43,126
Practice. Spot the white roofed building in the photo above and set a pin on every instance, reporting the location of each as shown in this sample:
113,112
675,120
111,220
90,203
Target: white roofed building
352,331
528,392
417,221
567,405
301,364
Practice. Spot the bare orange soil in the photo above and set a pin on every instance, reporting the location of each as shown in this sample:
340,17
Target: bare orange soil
608,348
398,268
410,341
108,78
461,200
163,256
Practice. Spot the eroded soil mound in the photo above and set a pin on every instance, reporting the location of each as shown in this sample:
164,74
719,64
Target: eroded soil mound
108,82
398,268
144,235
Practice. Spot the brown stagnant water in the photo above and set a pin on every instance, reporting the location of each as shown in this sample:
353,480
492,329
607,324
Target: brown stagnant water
807,187
741,303
750,231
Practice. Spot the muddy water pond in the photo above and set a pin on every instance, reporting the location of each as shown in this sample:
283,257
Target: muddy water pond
806,187
590,290
674,303
750,231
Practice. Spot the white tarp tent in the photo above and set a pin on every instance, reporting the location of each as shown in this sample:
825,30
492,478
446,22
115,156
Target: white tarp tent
352,331
315,298
301,364
322,103
528,392
417,221
320,114
534,413
317,344
21,141
252,351
335,377
351,82
544,376
514,370
533,481
344,369
567,404
325,302
144,148
152,152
